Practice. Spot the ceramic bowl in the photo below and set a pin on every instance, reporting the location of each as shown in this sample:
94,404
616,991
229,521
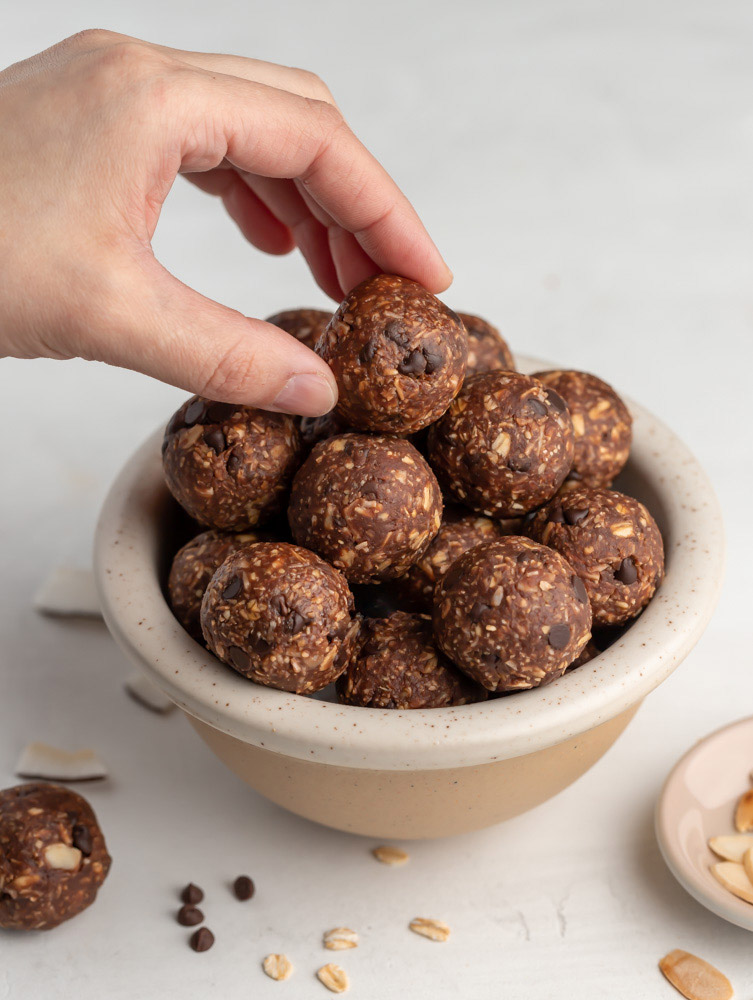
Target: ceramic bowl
423,773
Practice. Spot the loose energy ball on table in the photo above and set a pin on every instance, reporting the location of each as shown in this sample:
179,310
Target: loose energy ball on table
369,505
306,325
612,543
512,614
398,355
398,666
458,532
487,348
53,857
281,616
601,422
504,446
229,466
193,567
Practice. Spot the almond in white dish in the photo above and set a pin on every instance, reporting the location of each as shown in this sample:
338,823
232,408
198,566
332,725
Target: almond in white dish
732,846
734,878
744,813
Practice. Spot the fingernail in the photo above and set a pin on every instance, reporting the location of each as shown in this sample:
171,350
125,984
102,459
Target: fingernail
310,395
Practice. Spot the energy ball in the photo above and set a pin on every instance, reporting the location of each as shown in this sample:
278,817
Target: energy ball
487,348
368,505
512,614
612,543
397,353
53,857
601,422
457,533
229,466
398,666
504,446
281,616
306,325
193,567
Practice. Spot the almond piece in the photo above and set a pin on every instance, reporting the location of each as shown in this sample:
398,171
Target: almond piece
695,978
733,877
744,813
748,863
732,846
62,856
39,760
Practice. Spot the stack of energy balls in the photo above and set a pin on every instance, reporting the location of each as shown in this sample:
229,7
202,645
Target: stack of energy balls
473,498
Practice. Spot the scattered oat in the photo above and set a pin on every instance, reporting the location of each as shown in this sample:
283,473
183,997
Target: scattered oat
277,967
695,978
744,812
390,855
68,592
340,938
39,760
731,847
142,690
734,878
333,977
435,930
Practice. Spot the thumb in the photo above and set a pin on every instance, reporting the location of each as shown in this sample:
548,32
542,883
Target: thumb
167,330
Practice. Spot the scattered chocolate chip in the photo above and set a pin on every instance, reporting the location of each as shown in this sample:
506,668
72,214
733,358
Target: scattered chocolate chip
577,515
555,400
233,589
189,916
559,636
580,590
202,939
412,364
627,572
537,406
243,887
82,839
192,894
194,413
478,610
238,657
218,412
215,439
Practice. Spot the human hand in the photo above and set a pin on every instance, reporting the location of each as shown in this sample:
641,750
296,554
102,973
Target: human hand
96,129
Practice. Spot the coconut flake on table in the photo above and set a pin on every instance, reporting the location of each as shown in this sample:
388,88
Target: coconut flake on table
39,760
68,592
141,689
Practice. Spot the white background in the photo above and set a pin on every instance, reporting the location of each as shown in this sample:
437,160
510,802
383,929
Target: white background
586,169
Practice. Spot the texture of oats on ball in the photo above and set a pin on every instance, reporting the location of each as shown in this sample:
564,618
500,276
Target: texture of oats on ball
229,466
612,543
398,355
306,325
53,857
281,616
504,446
512,614
398,666
369,505
487,348
601,422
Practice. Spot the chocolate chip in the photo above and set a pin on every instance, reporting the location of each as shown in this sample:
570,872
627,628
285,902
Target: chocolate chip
234,461
202,939
367,352
217,413
412,364
580,590
556,516
194,413
529,516
192,894
394,331
294,623
82,839
215,439
243,887
555,400
537,406
577,515
627,572
479,609
233,589
519,463
239,659
559,636
574,476
527,555
279,605
490,660
434,361
258,645
189,916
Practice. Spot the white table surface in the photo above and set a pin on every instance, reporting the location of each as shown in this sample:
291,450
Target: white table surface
586,168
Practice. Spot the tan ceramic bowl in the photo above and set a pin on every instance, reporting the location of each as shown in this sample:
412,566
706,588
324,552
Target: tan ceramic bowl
424,773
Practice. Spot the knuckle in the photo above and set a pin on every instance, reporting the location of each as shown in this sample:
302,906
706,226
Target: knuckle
314,86
90,38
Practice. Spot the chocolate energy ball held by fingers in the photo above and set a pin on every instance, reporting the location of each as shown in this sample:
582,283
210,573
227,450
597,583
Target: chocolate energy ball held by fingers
281,616
504,446
512,614
193,567
487,348
398,355
229,466
306,325
398,666
53,857
601,422
368,505
456,535
612,543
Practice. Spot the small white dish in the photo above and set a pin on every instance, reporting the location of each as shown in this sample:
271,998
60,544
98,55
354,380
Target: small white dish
698,802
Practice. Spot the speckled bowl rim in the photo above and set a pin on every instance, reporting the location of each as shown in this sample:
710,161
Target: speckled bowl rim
140,620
